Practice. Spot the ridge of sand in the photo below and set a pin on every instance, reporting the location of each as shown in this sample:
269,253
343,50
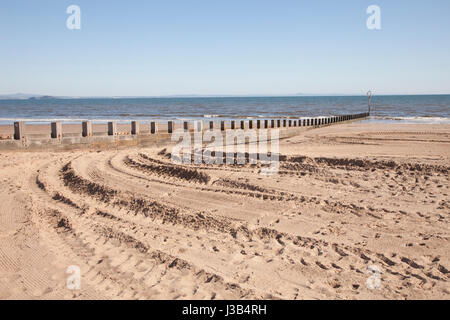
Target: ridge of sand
347,197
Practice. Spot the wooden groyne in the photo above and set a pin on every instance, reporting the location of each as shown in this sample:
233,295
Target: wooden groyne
145,133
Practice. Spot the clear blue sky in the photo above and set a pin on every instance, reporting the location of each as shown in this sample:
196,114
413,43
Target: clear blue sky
145,48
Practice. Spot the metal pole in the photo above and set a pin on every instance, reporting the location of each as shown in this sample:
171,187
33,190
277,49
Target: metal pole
369,96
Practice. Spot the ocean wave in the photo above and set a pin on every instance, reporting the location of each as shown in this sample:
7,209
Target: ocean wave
212,116
417,119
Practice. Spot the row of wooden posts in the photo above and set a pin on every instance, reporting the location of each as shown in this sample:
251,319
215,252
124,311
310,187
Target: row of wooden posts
56,127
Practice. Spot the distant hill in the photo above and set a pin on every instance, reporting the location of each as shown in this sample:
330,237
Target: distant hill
26,96
42,98
22,96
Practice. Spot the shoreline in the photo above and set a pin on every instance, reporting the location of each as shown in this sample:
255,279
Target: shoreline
8,122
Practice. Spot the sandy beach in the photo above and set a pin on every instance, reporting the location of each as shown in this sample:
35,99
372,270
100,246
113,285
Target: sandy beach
348,199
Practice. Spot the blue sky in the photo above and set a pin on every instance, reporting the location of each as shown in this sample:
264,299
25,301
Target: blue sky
147,48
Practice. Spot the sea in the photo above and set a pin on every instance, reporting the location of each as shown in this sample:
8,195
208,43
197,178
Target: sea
393,108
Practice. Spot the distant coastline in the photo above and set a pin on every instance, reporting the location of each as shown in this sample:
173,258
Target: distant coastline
26,96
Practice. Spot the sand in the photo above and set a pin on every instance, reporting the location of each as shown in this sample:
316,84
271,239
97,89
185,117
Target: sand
348,199
7,131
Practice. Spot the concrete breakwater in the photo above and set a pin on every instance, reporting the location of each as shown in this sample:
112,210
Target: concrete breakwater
59,136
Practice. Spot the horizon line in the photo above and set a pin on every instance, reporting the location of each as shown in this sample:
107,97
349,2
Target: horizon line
26,96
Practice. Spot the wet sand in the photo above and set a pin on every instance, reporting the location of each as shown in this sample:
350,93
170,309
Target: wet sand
348,198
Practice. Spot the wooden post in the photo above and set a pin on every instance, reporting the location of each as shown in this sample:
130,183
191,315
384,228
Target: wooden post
233,124
211,125
19,130
222,125
112,128
86,129
56,130
153,127
170,126
134,127
186,126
